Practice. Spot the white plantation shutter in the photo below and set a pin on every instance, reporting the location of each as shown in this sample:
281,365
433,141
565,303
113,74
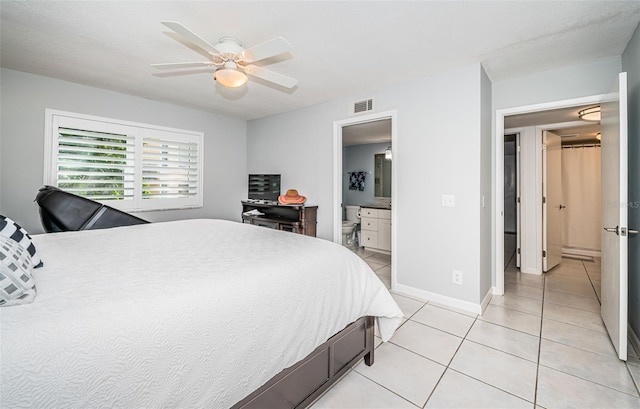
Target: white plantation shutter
170,167
96,165
126,165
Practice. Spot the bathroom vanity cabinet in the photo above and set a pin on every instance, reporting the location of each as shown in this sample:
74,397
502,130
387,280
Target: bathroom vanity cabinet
376,229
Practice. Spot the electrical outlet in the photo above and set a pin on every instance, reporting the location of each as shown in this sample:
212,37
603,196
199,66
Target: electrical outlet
457,277
448,201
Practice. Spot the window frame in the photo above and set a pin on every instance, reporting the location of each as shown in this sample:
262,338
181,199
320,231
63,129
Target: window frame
138,132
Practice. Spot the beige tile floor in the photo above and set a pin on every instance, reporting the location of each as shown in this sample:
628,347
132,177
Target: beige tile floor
541,345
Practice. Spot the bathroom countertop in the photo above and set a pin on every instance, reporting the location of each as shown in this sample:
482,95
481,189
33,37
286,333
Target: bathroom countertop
376,207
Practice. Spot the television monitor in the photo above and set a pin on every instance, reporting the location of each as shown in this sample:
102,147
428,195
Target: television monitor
264,187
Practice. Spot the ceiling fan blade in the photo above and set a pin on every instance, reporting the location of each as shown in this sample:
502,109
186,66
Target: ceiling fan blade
191,36
178,65
271,76
267,49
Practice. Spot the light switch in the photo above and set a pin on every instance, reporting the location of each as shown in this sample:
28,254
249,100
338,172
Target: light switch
448,201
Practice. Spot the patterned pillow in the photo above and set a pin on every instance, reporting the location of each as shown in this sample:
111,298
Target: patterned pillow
16,283
12,230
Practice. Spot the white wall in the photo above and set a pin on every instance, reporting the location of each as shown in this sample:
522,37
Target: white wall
631,64
24,99
438,151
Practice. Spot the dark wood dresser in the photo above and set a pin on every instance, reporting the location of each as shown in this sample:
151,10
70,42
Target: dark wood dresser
294,218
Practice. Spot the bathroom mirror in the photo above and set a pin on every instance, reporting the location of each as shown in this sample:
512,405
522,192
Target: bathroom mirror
382,176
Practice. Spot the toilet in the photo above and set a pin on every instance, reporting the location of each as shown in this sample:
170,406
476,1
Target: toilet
352,219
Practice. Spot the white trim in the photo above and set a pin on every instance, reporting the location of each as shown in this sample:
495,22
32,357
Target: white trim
426,296
530,271
337,178
498,201
136,130
486,300
581,252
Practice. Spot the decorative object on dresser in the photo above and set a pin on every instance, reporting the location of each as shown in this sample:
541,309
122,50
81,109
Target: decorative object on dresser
292,197
294,218
376,229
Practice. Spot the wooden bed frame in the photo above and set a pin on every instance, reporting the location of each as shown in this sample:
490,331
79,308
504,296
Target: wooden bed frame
301,384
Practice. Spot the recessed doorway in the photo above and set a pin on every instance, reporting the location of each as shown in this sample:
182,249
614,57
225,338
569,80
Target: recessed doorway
349,134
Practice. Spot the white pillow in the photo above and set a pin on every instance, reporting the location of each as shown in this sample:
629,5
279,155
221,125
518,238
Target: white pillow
17,286
12,230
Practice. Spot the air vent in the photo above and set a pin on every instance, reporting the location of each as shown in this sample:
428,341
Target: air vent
365,105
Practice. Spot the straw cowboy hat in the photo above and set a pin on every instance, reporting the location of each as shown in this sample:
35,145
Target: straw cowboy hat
291,197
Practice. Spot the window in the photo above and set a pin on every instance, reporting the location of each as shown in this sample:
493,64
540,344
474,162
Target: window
129,166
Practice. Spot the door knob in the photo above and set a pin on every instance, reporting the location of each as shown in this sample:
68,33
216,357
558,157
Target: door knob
632,232
615,230
562,207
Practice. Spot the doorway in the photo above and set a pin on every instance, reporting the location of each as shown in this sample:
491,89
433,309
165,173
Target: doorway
614,173
498,254
340,130
556,206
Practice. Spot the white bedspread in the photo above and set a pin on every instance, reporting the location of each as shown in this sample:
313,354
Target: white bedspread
186,314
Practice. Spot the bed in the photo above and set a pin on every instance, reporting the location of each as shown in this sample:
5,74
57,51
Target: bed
194,313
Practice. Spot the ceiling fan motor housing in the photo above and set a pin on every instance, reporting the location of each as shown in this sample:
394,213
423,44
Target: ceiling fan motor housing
229,45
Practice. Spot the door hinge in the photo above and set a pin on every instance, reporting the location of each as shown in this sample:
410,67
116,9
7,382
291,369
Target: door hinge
518,251
544,254
517,200
544,200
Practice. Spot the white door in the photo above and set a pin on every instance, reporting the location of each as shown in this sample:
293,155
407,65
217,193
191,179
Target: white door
551,201
614,215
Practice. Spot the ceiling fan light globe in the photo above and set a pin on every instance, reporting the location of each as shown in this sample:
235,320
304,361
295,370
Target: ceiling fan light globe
230,78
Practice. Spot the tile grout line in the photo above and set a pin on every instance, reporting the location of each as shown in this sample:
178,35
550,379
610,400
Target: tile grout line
591,282
382,386
589,380
449,363
535,390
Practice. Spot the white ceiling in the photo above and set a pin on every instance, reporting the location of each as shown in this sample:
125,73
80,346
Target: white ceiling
572,130
340,49
368,132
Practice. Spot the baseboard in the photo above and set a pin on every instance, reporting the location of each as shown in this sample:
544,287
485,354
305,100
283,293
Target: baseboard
486,300
530,271
425,296
581,252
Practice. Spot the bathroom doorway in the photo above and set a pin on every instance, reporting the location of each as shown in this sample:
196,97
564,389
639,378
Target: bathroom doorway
360,145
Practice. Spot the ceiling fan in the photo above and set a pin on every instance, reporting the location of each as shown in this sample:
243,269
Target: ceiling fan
231,60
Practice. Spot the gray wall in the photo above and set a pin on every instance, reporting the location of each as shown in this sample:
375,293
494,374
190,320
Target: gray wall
359,158
565,83
631,64
437,151
23,101
486,183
